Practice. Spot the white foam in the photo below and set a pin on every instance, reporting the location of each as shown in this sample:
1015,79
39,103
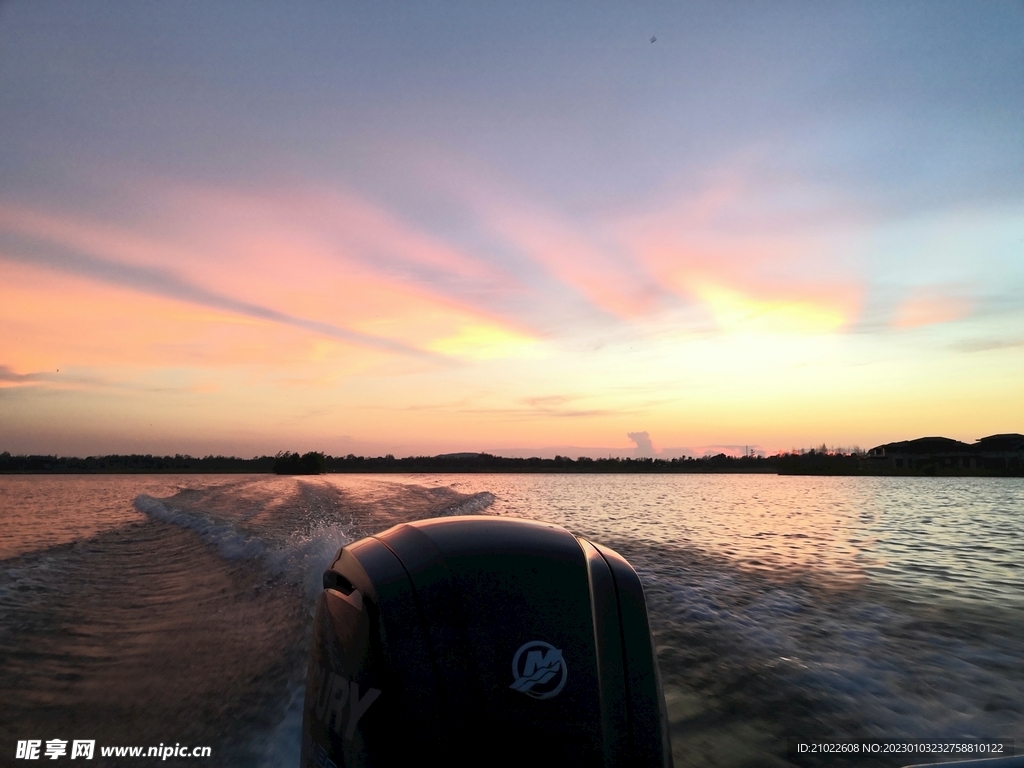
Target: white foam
855,656
471,505
301,559
282,747
231,543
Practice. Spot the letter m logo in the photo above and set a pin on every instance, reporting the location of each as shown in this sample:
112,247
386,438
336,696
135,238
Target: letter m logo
541,660
539,668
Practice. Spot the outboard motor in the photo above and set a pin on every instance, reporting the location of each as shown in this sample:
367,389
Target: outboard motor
482,641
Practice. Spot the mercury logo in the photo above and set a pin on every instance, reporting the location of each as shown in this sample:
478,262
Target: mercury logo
538,670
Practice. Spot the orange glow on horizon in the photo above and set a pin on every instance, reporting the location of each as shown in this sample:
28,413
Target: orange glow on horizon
283,318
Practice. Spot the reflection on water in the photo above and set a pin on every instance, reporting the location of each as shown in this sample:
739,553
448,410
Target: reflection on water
959,538
40,511
143,609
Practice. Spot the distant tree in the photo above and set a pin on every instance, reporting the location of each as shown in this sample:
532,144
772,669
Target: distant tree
288,463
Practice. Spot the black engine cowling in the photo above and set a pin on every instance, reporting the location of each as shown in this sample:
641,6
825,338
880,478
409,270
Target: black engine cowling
482,641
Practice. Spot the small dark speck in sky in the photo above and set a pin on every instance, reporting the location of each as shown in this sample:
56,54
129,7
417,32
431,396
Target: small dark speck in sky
653,39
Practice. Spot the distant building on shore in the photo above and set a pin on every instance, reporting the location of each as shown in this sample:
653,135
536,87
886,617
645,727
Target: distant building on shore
995,454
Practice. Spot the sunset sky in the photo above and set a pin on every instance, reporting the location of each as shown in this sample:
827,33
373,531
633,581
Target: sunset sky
522,228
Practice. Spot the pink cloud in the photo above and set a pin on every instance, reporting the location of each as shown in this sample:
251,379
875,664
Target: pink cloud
327,224
929,307
732,239
272,260
611,281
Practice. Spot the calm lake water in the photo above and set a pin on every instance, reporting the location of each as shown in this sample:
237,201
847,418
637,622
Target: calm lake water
175,609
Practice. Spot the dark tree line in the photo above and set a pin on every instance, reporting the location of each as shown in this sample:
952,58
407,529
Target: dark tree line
289,463
813,462
134,463
312,463
484,462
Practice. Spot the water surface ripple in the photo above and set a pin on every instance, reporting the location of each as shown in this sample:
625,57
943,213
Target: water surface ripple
149,609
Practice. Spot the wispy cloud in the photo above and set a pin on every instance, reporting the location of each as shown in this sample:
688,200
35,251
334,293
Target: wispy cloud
750,251
930,307
590,264
984,345
75,380
336,225
161,282
312,258
9,376
552,406
745,250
